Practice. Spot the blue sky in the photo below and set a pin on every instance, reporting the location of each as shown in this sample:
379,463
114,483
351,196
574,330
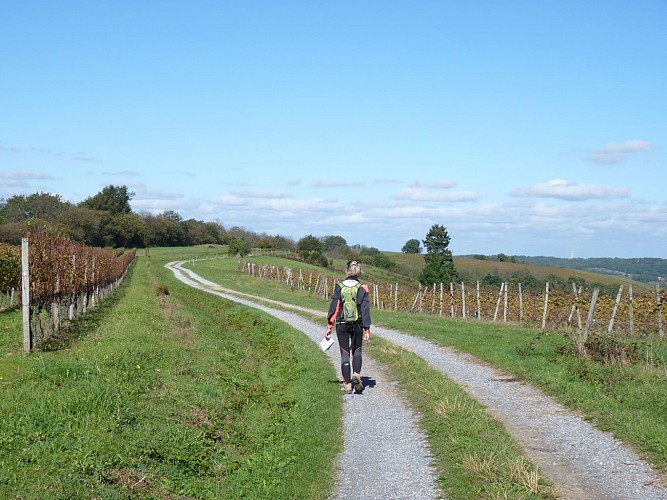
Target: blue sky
530,128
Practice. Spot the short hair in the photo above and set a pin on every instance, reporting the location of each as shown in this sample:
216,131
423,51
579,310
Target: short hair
353,268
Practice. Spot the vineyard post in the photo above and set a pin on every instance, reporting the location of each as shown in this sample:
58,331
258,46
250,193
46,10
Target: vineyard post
451,299
93,302
575,306
631,312
70,311
463,300
433,300
479,306
396,297
25,295
658,303
613,312
500,294
505,306
546,305
520,303
441,298
591,311
414,302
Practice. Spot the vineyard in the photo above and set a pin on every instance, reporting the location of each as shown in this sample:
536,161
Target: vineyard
65,280
629,313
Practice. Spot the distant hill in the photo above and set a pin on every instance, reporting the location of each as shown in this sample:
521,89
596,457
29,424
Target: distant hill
645,269
490,270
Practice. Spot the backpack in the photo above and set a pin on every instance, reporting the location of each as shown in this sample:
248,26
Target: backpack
348,298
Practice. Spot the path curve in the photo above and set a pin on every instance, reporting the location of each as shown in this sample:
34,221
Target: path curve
582,461
385,454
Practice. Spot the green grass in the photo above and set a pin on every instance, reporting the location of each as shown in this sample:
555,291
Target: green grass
474,456
628,400
178,395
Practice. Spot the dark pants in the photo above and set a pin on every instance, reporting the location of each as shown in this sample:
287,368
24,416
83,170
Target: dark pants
349,336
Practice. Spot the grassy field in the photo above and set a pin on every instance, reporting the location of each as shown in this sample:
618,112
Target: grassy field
177,395
168,392
629,400
472,270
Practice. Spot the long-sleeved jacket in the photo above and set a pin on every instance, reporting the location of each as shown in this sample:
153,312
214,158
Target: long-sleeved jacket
335,314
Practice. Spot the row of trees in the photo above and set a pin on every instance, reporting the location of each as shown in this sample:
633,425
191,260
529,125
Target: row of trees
107,220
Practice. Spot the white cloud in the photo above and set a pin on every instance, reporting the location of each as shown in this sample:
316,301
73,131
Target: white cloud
437,184
128,173
231,200
617,152
572,191
385,180
297,206
334,184
418,194
262,193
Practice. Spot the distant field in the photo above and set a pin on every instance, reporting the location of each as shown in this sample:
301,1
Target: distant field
472,270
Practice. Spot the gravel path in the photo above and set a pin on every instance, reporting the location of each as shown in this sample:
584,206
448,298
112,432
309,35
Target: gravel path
582,461
385,454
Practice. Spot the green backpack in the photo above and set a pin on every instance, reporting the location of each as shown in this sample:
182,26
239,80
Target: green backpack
348,298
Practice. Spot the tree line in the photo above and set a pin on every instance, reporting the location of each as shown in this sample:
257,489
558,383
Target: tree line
106,219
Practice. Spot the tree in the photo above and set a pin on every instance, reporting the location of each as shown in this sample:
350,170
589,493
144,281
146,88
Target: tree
412,246
309,245
439,263
239,245
112,199
335,245
161,231
38,205
81,224
125,230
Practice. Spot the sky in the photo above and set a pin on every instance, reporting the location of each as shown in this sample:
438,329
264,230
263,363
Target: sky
523,127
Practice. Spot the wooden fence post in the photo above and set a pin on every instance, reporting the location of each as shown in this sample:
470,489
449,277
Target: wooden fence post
546,304
591,310
441,299
631,312
479,308
463,300
500,295
613,312
414,302
658,303
25,295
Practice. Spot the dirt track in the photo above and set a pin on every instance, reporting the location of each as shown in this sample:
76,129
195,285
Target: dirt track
582,461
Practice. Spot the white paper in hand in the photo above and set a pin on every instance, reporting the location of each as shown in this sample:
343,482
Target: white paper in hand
325,344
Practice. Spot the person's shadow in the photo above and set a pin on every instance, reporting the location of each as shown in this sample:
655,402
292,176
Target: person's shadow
368,382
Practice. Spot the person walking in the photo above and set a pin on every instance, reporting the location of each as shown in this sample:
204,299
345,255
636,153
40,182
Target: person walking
350,311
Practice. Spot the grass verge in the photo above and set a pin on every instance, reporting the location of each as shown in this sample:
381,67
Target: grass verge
629,400
168,395
474,455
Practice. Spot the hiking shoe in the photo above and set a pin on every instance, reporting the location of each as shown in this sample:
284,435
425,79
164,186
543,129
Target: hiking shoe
347,388
356,380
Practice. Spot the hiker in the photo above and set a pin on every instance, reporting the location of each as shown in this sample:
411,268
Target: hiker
350,311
